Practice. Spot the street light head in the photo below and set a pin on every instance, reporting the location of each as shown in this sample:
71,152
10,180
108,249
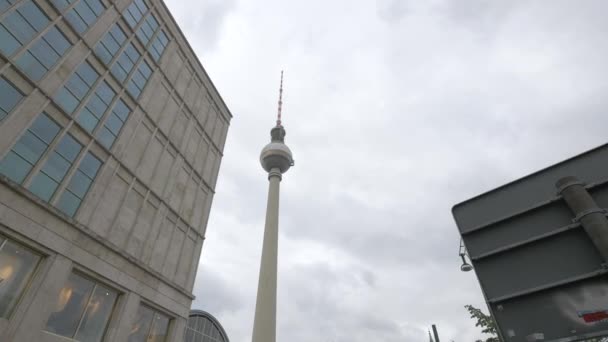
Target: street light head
465,267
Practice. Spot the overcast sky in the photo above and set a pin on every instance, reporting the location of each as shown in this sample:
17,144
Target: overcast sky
395,111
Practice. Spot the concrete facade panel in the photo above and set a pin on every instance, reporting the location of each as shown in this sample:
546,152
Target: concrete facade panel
138,227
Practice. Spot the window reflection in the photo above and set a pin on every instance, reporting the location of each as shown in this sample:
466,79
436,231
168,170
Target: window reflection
83,310
149,326
17,265
142,324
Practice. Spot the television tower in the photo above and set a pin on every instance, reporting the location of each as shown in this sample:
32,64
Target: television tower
276,159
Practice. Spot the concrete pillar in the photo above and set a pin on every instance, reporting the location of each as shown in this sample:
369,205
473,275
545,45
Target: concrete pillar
264,323
592,218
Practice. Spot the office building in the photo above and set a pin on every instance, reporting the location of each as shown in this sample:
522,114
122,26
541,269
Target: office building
111,136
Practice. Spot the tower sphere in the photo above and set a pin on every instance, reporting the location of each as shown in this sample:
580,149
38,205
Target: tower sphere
276,154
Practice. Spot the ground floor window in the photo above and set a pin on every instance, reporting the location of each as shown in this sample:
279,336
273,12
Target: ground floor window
149,326
82,310
17,265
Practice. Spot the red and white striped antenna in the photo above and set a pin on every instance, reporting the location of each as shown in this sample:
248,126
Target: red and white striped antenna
280,101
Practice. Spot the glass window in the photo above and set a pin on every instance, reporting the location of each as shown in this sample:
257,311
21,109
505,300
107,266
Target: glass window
8,42
26,20
96,6
131,53
82,310
119,72
118,34
149,326
141,326
76,88
87,120
107,135
105,92
98,104
158,46
56,167
84,14
159,328
17,265
76,21
9,97
43,54
68,203
34,16
4,4
134,12
31,66
66,100
127,59
133,89
79,184
139,79
57,41
147,28
16,24
125,62
88,73
95,320
29,148
61,4
141,6
20,26
109,45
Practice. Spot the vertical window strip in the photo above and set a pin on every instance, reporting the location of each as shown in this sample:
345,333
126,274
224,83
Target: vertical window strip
28,151
113,124
20,26
135,12
109,45
79,185
147,29
97,105
10,96
20,160
76,88
125,63
158,45
83,15
56,167
138,81
43,54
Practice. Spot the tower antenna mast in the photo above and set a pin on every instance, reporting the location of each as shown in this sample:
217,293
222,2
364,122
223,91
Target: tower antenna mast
280,101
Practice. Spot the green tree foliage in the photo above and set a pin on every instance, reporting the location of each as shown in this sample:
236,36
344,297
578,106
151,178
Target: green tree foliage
485,322
489,327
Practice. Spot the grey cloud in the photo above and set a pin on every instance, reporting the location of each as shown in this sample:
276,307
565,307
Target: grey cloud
204,19
392,10
214,294
395,111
